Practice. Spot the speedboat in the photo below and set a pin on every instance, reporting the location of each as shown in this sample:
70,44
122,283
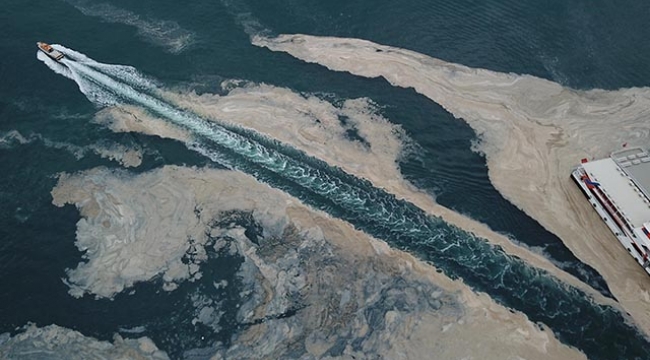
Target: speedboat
50,51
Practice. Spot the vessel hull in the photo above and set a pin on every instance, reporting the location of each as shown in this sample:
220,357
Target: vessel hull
620,235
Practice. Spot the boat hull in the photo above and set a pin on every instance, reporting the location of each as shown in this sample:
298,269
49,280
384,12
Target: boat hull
51,52
607,218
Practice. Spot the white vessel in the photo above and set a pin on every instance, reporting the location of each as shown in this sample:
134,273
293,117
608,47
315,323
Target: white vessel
50,51
617,188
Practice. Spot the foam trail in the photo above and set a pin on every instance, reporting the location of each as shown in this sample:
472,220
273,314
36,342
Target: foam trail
572,314
308,177
532,131
95,94
125,73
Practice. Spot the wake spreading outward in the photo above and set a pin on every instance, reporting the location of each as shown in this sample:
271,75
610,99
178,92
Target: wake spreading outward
533,132
576,314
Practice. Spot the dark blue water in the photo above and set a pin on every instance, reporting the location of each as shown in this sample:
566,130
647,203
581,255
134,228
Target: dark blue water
582,45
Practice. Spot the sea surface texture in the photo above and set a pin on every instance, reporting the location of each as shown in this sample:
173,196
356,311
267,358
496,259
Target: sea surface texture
308,180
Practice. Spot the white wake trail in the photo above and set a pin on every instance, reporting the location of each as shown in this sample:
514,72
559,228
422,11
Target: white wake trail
375,210
335,189
532,131
94,93
125,73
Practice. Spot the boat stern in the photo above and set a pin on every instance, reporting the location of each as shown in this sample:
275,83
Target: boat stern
50,51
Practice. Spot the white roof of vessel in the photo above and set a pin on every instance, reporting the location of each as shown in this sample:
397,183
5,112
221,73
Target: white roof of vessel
620,190
636,163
